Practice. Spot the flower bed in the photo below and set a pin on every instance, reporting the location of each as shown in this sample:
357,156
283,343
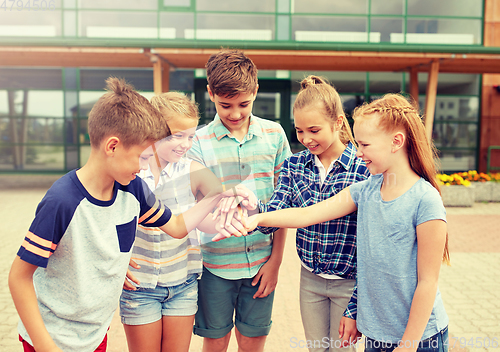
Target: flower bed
465,188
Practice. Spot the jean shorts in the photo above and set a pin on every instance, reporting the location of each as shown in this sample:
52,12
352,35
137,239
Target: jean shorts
147,305
435,343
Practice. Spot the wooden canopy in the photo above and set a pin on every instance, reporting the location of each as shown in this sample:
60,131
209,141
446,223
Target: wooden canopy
164,59
320,60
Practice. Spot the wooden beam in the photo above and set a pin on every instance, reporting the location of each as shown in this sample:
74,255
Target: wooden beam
165,80
414,86
308,60
157,75
430,100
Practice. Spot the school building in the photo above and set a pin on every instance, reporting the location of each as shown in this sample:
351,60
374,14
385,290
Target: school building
56,54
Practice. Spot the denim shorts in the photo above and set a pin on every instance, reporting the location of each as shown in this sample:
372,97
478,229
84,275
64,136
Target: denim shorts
147,305
435,343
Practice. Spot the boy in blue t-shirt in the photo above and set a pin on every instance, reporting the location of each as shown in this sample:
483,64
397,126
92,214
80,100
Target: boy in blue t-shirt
68,274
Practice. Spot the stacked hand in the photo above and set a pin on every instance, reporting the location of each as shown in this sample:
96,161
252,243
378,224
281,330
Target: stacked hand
232,213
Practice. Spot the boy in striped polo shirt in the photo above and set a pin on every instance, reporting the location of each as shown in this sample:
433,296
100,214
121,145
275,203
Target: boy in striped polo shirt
240,273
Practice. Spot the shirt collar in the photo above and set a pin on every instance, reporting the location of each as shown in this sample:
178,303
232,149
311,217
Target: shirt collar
345,159
221,131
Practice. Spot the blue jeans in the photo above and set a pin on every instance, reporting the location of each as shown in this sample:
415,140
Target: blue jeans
435,343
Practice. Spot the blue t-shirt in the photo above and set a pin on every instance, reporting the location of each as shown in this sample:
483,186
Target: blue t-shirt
82,246
387,257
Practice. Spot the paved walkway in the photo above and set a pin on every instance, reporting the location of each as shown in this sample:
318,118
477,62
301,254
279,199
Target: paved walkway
470,287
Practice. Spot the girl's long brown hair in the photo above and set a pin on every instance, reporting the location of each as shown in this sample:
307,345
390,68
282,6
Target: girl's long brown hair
396,112
317,89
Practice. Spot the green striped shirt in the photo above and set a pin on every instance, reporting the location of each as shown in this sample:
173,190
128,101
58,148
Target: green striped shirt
255,162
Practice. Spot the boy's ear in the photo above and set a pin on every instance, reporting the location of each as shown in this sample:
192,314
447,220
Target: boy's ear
110,145
256,90
398,141
210,94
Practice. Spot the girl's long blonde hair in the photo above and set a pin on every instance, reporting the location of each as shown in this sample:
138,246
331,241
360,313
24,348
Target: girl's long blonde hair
318,89
397,113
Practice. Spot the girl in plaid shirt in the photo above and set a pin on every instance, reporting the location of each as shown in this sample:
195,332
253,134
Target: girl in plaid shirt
327,250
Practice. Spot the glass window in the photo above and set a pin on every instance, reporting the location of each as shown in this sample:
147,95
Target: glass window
386,26
233,27
456,83
87,101
284,6
175,24
331,6
454,135
283,27
70,29
30,23
441,31
348,82
32,158
387,7
236,6
84,154
45,103
182,80
4,103
84,133
448,83
453,109
177,3
457,160
267,106
350,102
118,24
331,29
32,103
95,79
26,78
385,82
466,8
119,4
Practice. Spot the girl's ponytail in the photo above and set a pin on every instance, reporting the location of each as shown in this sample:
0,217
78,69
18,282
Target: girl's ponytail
318,89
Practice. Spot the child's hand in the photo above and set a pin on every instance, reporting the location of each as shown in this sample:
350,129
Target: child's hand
251,222
231,225
240,195
127,285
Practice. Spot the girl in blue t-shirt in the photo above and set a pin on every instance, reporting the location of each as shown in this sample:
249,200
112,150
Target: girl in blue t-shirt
401,233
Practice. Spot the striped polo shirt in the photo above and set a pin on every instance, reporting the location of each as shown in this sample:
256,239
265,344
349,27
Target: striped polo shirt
254,162
164,260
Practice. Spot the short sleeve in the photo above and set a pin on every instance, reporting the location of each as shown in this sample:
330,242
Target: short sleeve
356,190
52,218
153,213
431,207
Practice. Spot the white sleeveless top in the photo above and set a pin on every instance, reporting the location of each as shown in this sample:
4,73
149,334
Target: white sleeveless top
164,260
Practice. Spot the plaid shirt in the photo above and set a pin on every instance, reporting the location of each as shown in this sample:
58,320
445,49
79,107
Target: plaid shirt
329,247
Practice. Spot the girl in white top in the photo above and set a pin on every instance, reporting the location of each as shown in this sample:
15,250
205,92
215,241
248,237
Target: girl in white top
158,314
401,233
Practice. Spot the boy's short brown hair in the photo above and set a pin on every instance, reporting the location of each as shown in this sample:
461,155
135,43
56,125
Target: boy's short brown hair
124,113
230,73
